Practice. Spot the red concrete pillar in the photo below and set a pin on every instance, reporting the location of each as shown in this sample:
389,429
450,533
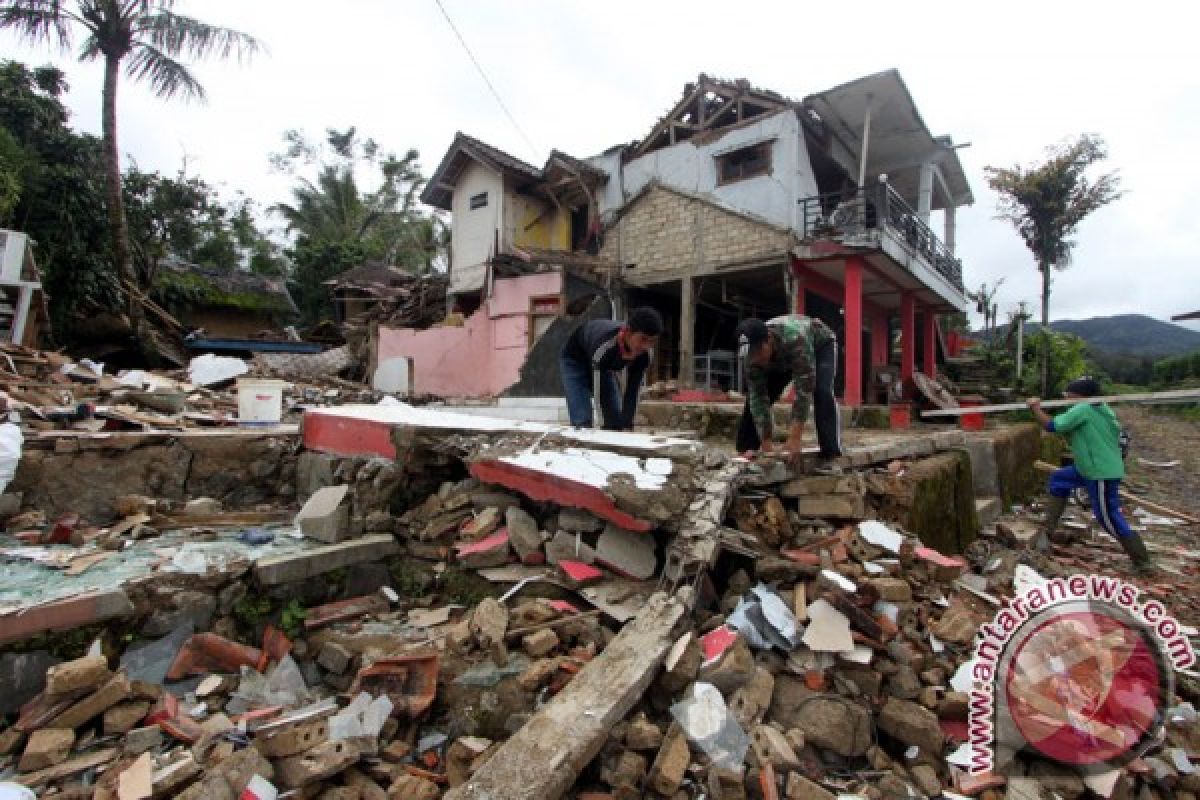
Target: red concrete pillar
929,335
881,342
853,277
798,287
908,337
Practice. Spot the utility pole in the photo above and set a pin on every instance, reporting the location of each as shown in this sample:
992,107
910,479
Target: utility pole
1021,315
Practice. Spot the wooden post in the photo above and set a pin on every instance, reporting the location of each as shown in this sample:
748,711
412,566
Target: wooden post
687,332
908,337
929,334
852,381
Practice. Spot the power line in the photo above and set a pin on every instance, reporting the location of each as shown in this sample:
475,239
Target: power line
532,147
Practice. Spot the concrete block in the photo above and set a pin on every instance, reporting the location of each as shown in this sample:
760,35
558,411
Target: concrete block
568,546
627,553
122,717
104,698
539,643
912,724
46,748
843,506
988,510
140,740
667,771
274,570
523,533
323,761
82,674
326,516
293,738
335,658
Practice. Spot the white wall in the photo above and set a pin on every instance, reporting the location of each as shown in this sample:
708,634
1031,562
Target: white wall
473,232
774,197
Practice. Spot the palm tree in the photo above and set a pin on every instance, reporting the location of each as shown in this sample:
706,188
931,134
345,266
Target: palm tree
331,209
148,38
1046,202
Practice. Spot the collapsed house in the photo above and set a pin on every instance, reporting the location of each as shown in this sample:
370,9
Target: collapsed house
362,599
407,602
738,202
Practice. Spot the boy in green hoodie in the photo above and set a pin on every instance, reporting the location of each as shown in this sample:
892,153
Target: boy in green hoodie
1095,438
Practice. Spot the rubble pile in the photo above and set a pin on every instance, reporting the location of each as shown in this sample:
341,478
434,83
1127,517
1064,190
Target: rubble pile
53,392
699,626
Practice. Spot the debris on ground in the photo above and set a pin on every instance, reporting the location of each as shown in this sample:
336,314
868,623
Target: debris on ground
503,611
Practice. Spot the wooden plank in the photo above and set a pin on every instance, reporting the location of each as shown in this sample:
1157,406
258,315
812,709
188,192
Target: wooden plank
1189,395
1133,498
542,760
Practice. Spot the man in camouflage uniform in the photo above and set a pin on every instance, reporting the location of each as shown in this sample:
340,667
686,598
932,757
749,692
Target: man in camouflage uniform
791,348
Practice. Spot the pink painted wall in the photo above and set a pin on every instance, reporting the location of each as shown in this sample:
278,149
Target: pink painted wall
483,357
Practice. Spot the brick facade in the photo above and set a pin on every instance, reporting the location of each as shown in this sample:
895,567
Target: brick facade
668,233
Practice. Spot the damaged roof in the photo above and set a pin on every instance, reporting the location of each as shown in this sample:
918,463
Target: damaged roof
234,289
899,140
465,149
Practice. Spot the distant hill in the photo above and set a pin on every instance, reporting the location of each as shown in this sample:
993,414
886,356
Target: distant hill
1129,334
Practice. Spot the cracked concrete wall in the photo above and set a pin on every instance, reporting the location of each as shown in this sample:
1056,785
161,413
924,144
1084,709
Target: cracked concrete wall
239,472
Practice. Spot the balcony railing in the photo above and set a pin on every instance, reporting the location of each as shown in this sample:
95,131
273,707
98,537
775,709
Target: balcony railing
850,217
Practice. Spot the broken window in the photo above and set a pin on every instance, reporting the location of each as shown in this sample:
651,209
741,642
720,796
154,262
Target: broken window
478,200
744,163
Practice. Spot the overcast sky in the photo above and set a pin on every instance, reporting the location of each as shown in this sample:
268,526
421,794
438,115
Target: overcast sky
1011,78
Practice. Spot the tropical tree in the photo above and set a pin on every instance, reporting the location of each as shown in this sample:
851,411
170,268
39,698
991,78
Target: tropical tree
1046,202
148,39
58,177
337,224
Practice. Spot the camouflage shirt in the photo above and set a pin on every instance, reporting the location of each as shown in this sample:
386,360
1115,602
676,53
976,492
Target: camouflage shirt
797,339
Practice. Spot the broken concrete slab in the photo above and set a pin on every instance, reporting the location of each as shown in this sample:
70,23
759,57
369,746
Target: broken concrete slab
66,614
627,553
367,430
574,478
544,757
274,570
326,515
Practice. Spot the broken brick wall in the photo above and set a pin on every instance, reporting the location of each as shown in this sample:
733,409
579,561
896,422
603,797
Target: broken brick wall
934,498
79,477
1017,447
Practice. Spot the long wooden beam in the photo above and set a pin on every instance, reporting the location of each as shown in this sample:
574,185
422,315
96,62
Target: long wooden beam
1182,395
1157,508
542,760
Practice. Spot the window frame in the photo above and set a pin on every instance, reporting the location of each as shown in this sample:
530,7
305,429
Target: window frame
722,162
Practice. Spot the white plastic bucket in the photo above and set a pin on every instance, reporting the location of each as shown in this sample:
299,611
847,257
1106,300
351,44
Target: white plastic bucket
260,401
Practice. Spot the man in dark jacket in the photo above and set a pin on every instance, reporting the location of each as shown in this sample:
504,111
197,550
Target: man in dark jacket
607,347
797,349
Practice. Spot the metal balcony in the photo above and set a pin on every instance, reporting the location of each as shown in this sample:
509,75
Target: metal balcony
857,220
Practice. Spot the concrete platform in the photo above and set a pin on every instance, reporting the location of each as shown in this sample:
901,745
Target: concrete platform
366,430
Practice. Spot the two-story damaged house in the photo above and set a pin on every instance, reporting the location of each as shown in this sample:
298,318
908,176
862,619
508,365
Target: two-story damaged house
738,202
